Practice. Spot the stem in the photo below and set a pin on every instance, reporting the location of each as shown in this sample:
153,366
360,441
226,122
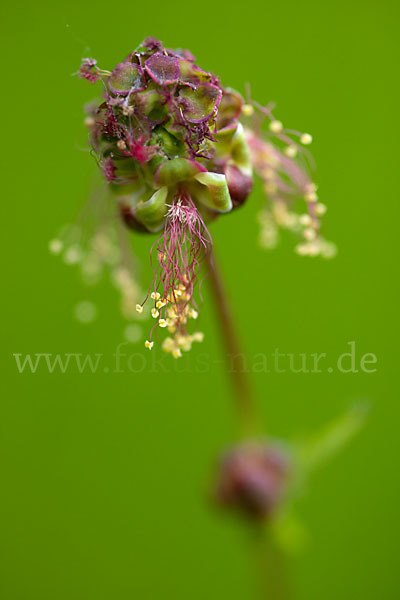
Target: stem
270,558
273,567
236,361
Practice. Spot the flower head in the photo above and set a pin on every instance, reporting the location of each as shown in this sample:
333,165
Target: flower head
177,150
169,143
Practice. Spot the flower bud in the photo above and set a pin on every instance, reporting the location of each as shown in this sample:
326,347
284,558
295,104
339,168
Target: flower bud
240,184
252,479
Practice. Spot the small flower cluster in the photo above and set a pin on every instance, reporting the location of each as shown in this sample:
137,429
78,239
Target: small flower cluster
101,247
283,163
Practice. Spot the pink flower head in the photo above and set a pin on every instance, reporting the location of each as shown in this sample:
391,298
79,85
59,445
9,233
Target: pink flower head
179,149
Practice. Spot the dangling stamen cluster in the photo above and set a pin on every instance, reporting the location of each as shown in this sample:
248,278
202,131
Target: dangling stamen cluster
180,250
98,244
283,163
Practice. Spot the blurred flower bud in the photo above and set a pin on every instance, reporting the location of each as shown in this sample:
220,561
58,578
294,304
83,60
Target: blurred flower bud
240,184
252,479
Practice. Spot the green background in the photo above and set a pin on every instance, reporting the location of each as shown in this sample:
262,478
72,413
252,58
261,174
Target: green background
105,476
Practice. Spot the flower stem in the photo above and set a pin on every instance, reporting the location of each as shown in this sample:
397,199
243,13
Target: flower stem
275,580
235,358
270,558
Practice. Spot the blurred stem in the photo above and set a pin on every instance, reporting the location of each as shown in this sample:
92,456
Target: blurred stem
273,567
271,560
235,358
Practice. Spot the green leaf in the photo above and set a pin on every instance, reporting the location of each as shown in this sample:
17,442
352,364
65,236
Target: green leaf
319,448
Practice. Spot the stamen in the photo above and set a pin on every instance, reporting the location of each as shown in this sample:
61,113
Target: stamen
179,250
276,126
306,139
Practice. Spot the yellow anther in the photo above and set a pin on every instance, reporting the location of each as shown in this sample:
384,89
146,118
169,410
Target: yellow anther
270,188
178,293
162,323
268,174
290,151
89,122
193,314
198,336
306,139
154,313
139,308
56,246
168,344
276,126
313,249
302,249
305,220
247,110
127,110
161,303
320,209
310,234
184,342
311,197
148,344
176,353
155,295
